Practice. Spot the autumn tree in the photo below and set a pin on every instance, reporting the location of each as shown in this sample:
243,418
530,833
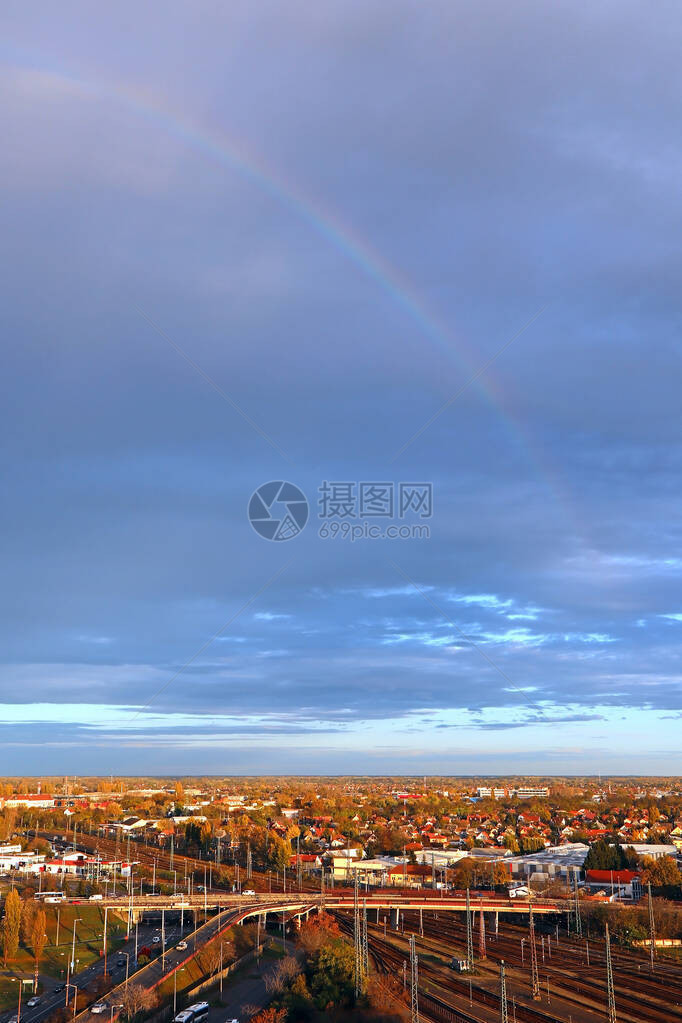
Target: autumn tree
318,931
136,999
11,924
282,974
38,935
270,1015
500,873
28,912
660,872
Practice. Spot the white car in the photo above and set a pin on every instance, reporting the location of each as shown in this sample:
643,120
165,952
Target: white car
181,946
247,891
99,1007
156,940
32,1002
96,898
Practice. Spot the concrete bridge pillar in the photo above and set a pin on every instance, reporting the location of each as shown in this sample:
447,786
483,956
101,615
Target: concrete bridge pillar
395,918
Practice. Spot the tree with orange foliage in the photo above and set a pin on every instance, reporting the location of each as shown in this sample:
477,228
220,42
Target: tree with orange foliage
319,931
270,1016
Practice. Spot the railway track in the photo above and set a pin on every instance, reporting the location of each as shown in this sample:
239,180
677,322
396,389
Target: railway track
569,959
650,999
147,857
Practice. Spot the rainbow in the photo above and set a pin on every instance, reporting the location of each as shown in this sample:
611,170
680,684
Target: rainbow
233,154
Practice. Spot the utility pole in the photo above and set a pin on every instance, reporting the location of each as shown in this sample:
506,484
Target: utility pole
357,940
365,943
249,864
578,921
652,929
481,935
504,1015
470,938
534,976
414,982
609,980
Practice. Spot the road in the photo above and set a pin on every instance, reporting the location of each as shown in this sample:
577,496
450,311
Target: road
250,990
51,999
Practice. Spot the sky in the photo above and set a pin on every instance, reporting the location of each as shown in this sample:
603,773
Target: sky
434,246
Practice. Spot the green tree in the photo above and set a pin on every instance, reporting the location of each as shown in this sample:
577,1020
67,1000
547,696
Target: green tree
511,843
605,855
332,983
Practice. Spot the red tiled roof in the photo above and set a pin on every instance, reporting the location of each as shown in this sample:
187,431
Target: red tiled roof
618,876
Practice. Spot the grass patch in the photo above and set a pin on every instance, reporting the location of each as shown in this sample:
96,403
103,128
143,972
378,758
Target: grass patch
89,921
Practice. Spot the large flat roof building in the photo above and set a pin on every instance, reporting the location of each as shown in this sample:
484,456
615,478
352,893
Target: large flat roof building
558,862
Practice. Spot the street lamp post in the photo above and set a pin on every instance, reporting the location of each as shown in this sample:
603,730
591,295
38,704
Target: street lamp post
71,963
21,984
106,910
127,955
75,996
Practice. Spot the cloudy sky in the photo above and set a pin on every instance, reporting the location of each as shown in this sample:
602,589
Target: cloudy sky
346,242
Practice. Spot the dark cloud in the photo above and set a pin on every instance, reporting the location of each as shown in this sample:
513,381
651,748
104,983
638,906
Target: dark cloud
340,214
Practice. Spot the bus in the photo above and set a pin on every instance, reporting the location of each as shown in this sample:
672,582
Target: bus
193,1013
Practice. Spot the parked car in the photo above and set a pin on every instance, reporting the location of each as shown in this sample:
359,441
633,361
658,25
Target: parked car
181,946
99,1007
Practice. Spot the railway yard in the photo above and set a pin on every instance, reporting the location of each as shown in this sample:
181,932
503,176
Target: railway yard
571,970
571,991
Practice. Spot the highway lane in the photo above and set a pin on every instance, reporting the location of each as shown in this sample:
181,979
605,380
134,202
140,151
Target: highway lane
51,998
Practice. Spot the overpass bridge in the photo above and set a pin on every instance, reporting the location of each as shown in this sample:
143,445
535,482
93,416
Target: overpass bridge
298,903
